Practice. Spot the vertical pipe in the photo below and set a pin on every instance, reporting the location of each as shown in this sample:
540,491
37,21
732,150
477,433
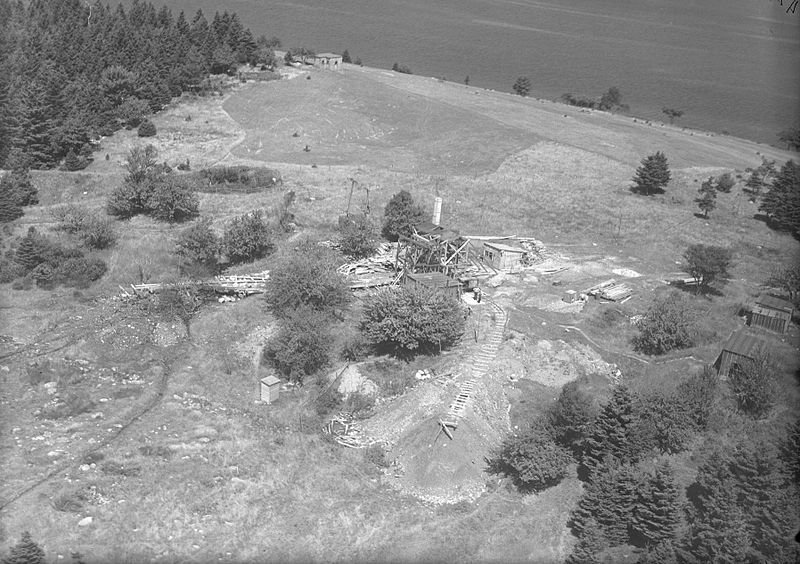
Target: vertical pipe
437,210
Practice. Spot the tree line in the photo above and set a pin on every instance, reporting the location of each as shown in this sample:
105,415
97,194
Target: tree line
71,72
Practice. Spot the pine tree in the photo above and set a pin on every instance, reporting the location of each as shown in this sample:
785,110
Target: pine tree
31,250
609,499
653,175
707,199
26,551
400,215
346,57
610,433
657,512
782,201
589,545
522,86
9,206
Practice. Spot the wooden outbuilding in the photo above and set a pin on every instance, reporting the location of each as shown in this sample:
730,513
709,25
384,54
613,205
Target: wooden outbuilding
270,389
330,61
742,347
433,281
502,256
772,313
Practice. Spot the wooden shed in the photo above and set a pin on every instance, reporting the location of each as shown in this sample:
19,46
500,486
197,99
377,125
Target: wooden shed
772,313
270,389
433,281
740,348
502,256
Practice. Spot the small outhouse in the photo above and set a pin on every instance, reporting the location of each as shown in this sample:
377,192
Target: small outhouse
503,257
270,389
742,347
772,313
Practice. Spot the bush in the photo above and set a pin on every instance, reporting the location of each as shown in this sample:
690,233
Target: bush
247,237
754,385
532,459
9,271
239,179
147,129
94,231
725,183
669,324
199,244
358,235
400,215
307,276
132,113
26,551
302,345
9,208
172,200
73,162
412,320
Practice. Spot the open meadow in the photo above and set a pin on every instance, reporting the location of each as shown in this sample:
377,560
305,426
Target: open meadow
166,454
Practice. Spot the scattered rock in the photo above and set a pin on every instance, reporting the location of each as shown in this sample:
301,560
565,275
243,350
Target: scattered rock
85,522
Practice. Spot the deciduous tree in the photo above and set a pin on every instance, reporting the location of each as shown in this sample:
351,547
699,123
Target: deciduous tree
302,345
707,264
669,323
358,235
247,237
754,385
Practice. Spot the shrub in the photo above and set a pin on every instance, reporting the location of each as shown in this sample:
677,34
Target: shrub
71,404
26,551
73,162
306,275
698,395
725,183
94,231
412,320
9,207
302,345
754,385
400,215
358,235
18,182
663,422
533,459
9,271
172,200
147,129
522,86
132,113
199,244
247,237
669,324
32,250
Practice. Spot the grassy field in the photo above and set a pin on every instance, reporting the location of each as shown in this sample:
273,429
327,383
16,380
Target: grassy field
187,467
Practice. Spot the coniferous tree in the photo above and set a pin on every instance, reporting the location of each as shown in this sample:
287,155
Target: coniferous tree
31,250
590,544
400,215
9,206
571,416
610,434
656,514
653,175
782,200
26,551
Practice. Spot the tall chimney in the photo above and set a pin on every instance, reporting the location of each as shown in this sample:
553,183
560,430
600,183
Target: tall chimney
437,210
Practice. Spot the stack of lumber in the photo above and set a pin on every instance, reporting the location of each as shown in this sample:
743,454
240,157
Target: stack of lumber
381,261
347,432
243,285
616,292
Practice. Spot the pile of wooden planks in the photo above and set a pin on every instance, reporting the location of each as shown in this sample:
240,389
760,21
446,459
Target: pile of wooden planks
381,261
347,432
616,292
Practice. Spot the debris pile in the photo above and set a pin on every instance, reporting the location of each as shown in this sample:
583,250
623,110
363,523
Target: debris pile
373,271
347,432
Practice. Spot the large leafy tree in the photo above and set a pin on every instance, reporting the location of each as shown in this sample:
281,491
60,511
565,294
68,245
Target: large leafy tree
707,264
306,275
247,238
653,175
670,323
411,320
781,202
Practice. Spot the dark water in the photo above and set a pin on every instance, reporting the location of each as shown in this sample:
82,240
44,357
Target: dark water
729,65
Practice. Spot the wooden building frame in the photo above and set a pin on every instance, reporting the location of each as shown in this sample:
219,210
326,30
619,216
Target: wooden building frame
431,248
772,313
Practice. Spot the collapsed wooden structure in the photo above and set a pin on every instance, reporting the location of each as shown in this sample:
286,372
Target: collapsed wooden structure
239,285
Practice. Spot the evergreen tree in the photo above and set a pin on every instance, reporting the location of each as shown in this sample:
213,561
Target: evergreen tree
147,129
609,499
9,207
782,200
522,86
26,551
589,546
760,178
653,175
707,198
656,514
571,416
610,434
346,57
32,250
400,215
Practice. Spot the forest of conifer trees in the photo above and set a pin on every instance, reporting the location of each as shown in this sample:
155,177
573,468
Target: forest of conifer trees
71,71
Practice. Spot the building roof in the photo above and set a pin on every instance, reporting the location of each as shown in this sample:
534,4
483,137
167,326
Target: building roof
774,302
770,312
505,248
744,344
327,55
270,381
427,228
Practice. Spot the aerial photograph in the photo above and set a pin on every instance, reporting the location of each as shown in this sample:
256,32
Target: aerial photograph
401,281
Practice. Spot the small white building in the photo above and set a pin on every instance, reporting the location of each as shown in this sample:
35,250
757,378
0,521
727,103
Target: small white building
330,61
